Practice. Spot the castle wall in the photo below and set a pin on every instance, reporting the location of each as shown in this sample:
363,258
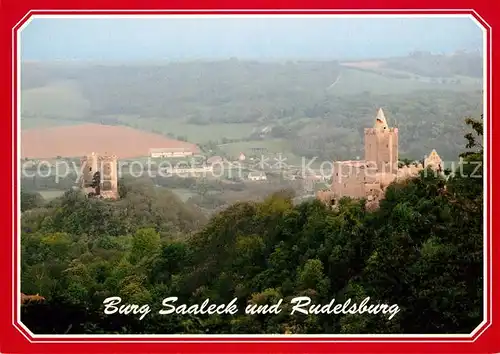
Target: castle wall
348,179
326,197
373,191
350,187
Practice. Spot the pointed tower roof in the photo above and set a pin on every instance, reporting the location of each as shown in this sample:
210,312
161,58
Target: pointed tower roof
434,155
380,121
433,159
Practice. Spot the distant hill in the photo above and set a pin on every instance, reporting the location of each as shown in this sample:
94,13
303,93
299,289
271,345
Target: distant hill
80,140
420,65
320,107
230,91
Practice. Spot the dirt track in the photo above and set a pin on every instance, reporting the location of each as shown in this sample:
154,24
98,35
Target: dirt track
80,140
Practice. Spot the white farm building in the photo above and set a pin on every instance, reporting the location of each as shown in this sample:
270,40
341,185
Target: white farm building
171,152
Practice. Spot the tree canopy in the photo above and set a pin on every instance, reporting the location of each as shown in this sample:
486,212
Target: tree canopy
422,249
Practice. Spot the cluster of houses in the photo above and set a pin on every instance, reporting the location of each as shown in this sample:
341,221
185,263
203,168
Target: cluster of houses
212,163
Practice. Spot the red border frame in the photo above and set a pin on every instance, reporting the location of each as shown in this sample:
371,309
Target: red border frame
14,341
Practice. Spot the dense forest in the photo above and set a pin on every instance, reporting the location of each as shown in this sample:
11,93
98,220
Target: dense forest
422,249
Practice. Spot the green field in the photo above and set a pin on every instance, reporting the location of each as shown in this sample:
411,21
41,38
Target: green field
355,81
192,132
57,100
45,122
49,195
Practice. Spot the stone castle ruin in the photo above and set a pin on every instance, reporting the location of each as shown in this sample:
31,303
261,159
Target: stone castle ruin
370,177
100,176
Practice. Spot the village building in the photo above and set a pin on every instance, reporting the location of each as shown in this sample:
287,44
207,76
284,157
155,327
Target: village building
214,160
290,176
257,176
171,152
370,177
185,172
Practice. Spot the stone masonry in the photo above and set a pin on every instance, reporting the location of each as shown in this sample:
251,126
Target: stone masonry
370,177
100,176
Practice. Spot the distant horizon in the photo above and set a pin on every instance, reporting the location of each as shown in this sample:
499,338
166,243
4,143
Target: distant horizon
222,59
177,39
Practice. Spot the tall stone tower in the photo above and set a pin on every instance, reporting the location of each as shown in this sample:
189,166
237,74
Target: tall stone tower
381,145
100,176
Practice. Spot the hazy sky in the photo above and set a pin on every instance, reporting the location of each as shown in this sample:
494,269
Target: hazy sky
257,38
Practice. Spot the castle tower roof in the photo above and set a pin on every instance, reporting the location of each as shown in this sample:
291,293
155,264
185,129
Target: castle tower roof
380,121
434,155
433,159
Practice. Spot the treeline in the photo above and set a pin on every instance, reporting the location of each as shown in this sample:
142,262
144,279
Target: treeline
223,91
426,120
440,65
422,249
31,185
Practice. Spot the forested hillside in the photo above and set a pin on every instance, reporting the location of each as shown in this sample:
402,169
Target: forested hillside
315,108
421,250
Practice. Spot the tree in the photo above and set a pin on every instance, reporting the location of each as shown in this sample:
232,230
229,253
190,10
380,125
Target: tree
145,243
30,200
422,250
472,138
466,183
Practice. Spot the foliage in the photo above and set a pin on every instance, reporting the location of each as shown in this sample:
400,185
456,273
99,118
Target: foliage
30,200
422,249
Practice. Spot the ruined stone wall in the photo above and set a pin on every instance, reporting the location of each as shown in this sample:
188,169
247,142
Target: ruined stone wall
109,176
89,166
107,166
109,173
409,171
372,190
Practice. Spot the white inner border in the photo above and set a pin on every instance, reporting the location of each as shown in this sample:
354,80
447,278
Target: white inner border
16,308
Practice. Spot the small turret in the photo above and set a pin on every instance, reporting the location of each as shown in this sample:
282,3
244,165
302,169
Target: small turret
434,161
